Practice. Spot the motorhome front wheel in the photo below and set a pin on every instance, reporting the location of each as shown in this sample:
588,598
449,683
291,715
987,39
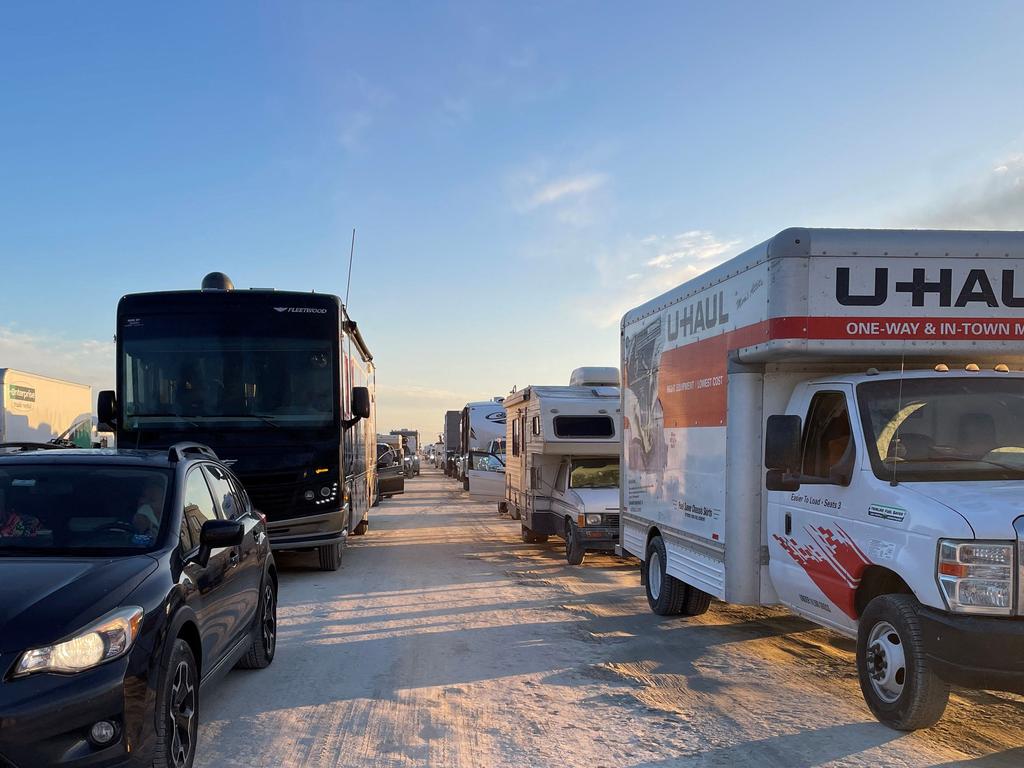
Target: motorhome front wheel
898,684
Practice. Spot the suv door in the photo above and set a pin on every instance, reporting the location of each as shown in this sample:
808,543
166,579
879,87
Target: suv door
245,575
216,615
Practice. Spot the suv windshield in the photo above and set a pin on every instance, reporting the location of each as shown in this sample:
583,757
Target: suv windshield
80,510
594,473
954,428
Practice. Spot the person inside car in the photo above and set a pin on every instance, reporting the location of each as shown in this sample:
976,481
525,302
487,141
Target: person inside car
13,525
147,517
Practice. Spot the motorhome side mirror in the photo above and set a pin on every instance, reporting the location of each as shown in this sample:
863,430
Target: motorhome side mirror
216,534
106,411
782,443
361,402
778,480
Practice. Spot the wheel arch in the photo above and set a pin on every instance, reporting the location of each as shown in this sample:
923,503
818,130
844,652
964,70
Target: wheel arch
877,580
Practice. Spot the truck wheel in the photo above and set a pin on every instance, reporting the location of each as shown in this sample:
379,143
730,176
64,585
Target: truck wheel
533,538
502,508
696,602
900,688
665,594
515,514
360,529
330,557
574,552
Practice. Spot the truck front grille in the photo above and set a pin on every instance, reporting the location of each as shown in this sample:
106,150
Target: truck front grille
277,495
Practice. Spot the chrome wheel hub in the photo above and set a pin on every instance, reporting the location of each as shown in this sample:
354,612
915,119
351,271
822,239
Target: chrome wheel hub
886,662
654,575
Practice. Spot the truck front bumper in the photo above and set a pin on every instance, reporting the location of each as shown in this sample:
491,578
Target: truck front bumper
309,531
600,538
978,652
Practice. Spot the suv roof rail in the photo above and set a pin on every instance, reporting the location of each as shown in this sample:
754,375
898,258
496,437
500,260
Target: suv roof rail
180,451
30,446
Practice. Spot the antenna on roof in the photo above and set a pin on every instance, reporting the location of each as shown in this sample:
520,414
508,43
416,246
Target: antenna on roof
351,255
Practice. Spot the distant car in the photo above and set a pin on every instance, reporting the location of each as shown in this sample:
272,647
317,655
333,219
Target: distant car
128,580
390,472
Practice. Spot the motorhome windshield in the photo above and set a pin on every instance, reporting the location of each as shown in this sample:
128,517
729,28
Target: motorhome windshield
953,428
229,380
594,473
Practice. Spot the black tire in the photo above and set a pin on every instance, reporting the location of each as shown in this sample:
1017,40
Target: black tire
665,594
502,508
330,557
696,601
177,710
905,702
264,633
533,538
574,551
514,513
360,529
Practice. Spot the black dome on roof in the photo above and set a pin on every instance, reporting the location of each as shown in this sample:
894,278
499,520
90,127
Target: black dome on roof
217,281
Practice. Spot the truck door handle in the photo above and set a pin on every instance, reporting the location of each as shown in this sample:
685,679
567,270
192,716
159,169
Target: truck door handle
789,524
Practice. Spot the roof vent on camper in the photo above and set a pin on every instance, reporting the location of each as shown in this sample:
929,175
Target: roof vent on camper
593,376
217,281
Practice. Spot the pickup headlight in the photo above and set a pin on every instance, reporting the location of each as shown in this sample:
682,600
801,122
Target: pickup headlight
109,638
977,577
593,519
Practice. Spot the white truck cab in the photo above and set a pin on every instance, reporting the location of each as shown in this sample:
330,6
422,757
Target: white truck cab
830,421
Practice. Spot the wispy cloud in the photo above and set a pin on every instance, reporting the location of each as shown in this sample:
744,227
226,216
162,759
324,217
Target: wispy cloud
569,199
569,187
642,269
993,200
364,103
87,361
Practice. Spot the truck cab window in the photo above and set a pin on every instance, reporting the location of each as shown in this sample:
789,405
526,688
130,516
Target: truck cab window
560,478
828,447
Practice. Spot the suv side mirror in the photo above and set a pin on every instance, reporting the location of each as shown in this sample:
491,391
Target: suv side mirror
216,534
106,410
361,402
782,453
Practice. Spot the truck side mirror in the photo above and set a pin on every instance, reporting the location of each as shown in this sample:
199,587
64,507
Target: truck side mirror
777,480
106,411
782,443
361,402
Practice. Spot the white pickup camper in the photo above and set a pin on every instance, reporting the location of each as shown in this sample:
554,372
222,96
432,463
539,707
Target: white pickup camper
562,466
37,409
480,423
870,373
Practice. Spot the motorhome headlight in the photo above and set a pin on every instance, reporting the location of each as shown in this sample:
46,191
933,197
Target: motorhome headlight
109,638
977,577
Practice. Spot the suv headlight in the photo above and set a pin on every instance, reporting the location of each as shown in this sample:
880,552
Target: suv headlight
107,639
977,577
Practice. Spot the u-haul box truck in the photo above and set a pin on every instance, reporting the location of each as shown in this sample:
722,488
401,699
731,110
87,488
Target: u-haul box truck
37,409
562,461
875,375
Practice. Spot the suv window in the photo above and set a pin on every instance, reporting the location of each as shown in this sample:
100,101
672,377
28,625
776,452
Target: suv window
199,505
223,491
828,450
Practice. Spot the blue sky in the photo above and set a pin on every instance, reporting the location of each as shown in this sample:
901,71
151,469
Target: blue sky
519,173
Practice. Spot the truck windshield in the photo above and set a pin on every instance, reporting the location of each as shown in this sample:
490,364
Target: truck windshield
243,381
954,428
594,473
80,510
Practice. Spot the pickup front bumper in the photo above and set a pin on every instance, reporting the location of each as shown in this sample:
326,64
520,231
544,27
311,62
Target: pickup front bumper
978,652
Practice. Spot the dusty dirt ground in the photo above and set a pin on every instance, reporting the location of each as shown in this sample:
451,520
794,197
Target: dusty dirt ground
446,641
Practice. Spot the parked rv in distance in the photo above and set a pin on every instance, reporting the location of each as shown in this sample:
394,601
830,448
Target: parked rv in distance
479,424
561,473
38,409
280,384
410,450
452,437
866,371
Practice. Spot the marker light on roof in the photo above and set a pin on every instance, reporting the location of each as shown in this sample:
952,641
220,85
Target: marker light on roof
942,368
972,367
1002,368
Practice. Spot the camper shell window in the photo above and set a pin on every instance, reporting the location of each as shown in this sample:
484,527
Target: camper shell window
585,427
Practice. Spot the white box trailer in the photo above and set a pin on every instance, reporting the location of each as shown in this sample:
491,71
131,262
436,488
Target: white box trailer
37,409
562,463
868,371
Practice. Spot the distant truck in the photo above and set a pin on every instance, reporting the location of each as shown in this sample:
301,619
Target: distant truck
37,409
411,447
562,462
868,372
451,438
479,424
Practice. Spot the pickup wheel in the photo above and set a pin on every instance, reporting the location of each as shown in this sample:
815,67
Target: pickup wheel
574,552
899,686
665,594
533,538
330,557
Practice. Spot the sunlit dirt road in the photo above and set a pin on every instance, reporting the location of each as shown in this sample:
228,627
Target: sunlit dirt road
446,641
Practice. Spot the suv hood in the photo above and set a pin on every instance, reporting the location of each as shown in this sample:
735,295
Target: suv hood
44,599
988,506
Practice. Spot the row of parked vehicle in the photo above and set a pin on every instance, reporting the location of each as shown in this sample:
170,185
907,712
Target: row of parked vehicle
132,578
828,421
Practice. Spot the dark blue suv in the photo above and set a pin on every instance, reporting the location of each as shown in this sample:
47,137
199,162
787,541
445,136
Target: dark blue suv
128,580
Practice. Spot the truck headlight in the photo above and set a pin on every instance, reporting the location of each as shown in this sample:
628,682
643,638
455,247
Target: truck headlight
977,577
593,519
109,638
